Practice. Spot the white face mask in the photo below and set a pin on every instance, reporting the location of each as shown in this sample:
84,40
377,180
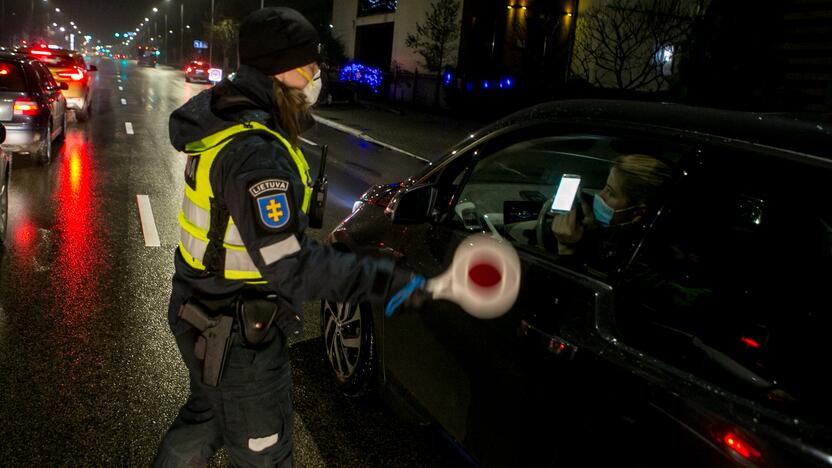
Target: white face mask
313,88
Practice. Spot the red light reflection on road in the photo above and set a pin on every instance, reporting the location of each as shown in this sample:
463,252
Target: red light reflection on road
80,262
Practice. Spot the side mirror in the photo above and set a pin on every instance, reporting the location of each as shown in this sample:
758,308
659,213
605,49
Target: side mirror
92,68
63,85
412,205
2,133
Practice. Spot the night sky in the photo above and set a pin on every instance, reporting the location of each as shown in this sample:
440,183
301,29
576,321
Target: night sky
104,17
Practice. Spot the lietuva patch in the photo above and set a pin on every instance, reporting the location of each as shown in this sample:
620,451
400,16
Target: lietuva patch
273,201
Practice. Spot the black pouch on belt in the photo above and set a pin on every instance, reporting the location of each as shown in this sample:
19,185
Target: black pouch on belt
256,317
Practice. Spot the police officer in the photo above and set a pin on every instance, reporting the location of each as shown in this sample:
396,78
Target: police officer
244,265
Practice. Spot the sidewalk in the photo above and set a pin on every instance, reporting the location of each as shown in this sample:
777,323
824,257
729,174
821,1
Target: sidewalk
419,134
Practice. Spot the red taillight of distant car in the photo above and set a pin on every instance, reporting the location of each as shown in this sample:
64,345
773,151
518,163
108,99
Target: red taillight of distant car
26,107
41,52
740,446
189,70
77,74
4,71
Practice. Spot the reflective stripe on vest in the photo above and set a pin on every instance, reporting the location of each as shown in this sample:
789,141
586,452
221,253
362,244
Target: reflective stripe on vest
195,215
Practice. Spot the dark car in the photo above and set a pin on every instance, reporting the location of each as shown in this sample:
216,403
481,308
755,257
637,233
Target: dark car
5,177
693,335
32,106
197,70
147,56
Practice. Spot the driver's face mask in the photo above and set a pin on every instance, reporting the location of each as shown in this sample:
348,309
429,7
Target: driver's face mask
603,213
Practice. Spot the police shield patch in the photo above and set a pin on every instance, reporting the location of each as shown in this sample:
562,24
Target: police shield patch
274,210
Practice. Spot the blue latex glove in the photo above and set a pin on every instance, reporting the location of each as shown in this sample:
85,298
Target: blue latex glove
417,282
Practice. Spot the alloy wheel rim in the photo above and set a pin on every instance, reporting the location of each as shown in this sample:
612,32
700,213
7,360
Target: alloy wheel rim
342,338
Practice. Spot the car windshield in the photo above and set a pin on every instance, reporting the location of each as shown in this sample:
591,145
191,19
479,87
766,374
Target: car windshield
11,77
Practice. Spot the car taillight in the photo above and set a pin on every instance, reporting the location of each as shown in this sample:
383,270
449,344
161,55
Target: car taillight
76,75
27,107
41,52
189,69
740,446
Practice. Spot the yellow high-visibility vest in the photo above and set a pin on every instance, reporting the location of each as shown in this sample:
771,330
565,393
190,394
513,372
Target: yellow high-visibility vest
195,215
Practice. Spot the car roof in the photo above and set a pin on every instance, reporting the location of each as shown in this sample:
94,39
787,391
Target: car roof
797,133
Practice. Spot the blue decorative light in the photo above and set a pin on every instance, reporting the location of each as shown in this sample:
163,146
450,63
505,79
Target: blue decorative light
362,74
469,86
506,83
448,78
485,84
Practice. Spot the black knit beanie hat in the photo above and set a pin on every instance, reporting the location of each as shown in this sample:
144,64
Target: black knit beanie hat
277,39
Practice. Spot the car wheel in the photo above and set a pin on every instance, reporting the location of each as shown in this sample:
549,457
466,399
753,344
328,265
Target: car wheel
44,154
63,129
4,205
83,116
187,79
349,343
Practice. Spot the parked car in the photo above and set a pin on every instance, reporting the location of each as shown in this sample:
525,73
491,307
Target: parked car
692,335
32,106
5,177
197,70
70,68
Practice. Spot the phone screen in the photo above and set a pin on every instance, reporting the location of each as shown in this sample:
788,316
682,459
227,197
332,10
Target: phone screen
565,196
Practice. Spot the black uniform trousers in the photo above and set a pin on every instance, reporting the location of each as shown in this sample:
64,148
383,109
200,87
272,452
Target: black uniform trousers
249,413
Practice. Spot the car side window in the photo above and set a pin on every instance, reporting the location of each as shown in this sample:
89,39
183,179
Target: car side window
731,285
510,191
46,81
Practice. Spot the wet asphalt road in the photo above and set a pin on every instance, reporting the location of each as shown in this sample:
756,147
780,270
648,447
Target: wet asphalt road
89,373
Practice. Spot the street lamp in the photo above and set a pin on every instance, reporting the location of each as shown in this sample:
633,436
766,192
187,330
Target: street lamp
211,37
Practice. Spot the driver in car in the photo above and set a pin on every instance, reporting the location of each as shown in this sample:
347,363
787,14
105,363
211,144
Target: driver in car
634,186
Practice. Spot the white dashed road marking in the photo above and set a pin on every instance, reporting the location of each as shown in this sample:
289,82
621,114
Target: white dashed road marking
151,235
120,88
128,127
123,102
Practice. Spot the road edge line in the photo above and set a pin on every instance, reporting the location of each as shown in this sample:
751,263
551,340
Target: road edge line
364,136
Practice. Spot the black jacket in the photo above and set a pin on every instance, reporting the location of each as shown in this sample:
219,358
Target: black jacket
314,271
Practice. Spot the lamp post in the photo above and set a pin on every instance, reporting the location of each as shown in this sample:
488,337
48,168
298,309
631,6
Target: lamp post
211,37
181,31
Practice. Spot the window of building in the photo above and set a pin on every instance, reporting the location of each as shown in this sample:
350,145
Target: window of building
373,7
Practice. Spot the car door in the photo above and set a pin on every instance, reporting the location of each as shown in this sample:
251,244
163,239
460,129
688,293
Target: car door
722,316
492,384
52,92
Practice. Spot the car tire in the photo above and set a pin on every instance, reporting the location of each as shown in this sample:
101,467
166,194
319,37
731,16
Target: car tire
349,346
83,116
187,79
4,204
44,154
62,137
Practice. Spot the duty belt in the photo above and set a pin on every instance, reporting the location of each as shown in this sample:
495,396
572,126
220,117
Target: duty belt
250,317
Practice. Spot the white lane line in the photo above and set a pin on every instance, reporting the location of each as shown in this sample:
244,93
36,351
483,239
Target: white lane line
128,127
365,137
120,88
151,235
308,142
123,102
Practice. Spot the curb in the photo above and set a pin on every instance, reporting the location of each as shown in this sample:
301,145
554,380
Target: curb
365,137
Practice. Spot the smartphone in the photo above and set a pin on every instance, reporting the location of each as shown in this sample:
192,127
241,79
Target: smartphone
565,196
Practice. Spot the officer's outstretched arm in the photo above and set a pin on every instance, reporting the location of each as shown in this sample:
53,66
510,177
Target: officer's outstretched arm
264,199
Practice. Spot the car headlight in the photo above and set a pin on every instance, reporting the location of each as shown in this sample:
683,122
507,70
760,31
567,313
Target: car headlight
357,205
